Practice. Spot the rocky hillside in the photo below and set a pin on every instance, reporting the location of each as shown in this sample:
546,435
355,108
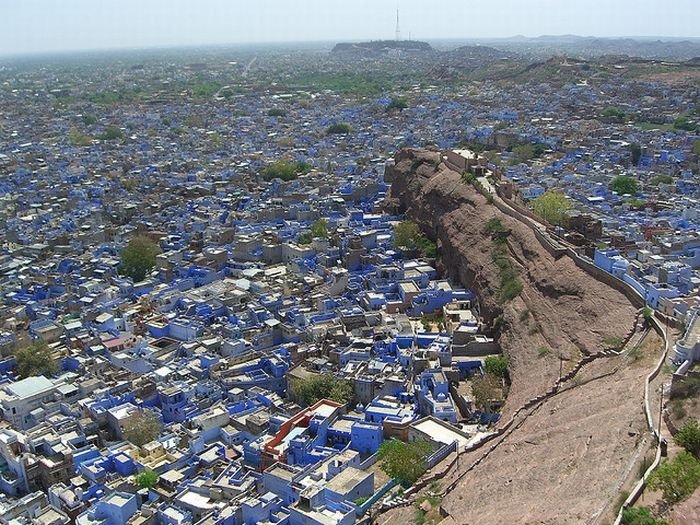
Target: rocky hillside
561,308
565,460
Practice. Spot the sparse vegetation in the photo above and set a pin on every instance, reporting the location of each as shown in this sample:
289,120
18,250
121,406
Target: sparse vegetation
510,284
613,341
89,120
684,124
636,204
129,184
345,83
678,409
543,351
620,501
525,152
435,319
205,89
468,177
428,510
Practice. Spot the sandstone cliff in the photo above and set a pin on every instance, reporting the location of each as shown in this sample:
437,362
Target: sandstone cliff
565,460
561,307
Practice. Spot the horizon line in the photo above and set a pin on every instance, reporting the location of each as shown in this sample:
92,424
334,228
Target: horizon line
168,47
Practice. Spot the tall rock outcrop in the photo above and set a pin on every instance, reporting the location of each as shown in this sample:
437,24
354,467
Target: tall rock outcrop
561,307
565,458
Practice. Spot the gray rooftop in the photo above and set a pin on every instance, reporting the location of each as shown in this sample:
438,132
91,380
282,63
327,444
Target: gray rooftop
30,386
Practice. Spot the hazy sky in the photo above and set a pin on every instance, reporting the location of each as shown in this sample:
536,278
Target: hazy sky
28,26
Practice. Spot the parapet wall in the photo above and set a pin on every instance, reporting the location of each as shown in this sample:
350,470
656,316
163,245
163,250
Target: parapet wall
557,250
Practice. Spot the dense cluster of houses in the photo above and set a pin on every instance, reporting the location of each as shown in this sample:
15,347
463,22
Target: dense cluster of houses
243,303
240,305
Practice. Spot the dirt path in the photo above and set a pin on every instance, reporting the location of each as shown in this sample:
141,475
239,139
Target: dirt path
566,460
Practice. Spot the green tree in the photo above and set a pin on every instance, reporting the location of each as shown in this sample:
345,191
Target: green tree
339,128
285,170
139,257
688,437
486,390
684,124
320,228
662,179
408,237
146,479
614,114
696,147
35,360
399,103
77,138
141,428
111,133
276,112
636,151
624,184
496,365
523,152
305,238
676,479
404,461
551,206
216,140
325,386
89,120
640,516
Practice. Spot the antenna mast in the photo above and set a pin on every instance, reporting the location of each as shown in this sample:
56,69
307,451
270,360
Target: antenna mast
398,31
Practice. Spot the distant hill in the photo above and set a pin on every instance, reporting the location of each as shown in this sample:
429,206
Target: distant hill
482,52
382,47
572,45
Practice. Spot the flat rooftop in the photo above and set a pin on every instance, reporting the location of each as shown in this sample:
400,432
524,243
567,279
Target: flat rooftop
346,480
30,386
441,433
